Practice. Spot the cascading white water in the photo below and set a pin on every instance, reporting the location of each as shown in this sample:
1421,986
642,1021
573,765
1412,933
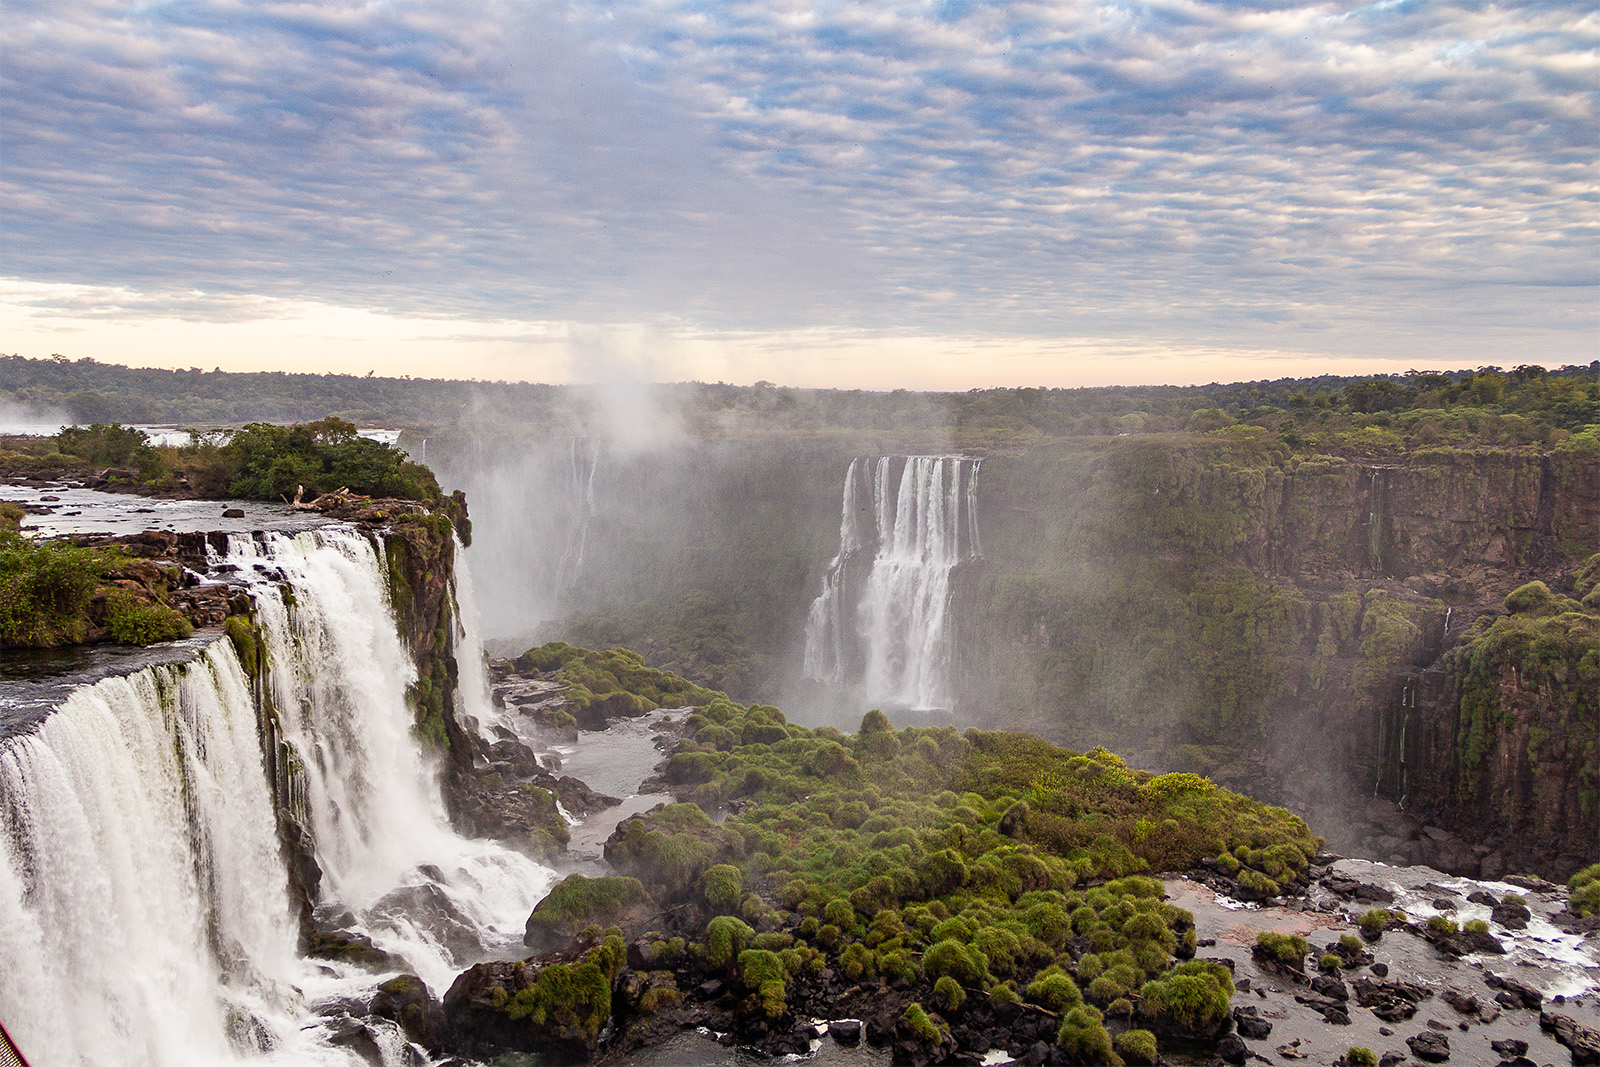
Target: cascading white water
918,517
145,914
338,674
144,910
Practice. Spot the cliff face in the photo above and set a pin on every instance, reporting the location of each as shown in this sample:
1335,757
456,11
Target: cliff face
1215,606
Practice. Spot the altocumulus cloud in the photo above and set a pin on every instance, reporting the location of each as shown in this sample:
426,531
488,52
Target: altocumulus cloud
1334,177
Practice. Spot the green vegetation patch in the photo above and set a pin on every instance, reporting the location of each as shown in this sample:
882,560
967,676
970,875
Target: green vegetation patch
960,864
618,676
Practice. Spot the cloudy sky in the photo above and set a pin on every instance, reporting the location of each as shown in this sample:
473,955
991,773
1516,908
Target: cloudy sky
947,194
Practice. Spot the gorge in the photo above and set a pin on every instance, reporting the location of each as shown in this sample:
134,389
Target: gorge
1404,649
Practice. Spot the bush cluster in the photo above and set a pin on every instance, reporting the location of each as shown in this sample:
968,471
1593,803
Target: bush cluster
982,864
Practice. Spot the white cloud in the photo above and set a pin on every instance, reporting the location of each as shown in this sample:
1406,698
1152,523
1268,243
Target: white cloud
1343,179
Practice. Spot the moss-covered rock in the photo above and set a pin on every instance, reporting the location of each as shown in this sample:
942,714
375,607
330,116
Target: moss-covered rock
577,902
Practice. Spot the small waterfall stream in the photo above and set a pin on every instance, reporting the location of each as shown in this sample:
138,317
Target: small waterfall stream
881,621
145,914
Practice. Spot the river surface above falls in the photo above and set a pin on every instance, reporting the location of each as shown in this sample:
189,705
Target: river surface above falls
60,510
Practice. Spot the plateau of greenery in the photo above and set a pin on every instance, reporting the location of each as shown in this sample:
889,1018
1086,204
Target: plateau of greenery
975,869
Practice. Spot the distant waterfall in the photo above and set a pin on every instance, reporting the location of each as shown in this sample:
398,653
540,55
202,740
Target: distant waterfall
145,916
534,506
881,619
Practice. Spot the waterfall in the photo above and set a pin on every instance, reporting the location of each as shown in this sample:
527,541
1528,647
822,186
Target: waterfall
535,506
145,914
889,630
144,910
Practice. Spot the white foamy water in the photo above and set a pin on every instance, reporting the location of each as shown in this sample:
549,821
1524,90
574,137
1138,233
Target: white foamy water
145,915
889,630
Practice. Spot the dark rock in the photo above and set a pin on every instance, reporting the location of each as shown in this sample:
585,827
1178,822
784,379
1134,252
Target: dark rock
1435,1024
476,1018
1511,914
1580,1040
351,947
1232,1049
355,1036
1430,1046
1478,896
1249,1023
1515,994
406,1001
233,513
1330,986
1461,1002
710,990
1530,882
1353,889
1392,1002
429,908
1390,1059
1037,1054
846,1031
880,1028
1380,969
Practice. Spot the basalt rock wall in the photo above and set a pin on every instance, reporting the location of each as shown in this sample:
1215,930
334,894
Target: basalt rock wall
1214,605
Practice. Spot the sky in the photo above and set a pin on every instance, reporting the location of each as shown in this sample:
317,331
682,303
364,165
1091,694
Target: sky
946,194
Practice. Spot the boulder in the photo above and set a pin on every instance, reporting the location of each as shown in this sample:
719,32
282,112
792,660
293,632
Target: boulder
1250,1024
1430,1045
1391,1001
1232,1049
406,1001
428,907
1582,1041
577,902
1515,994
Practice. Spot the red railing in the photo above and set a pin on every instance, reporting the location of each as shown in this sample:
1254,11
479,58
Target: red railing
10,1054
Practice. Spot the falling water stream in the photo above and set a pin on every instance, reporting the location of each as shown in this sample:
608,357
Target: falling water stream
883,620
145,913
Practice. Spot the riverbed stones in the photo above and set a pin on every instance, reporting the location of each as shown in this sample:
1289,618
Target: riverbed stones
1248,1021
1514,994
1429,1046
1391,1001
1582,1041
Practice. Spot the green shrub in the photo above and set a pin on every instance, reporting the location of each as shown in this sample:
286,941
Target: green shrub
923,1028
762,974
1054,991
1360,1056
1373,923
133,621
1083,1037
1287,949
722,885
1329,963
1585,886
1137,1047
961,962
726,938
948,996
1441,924
1476,926
1191,997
